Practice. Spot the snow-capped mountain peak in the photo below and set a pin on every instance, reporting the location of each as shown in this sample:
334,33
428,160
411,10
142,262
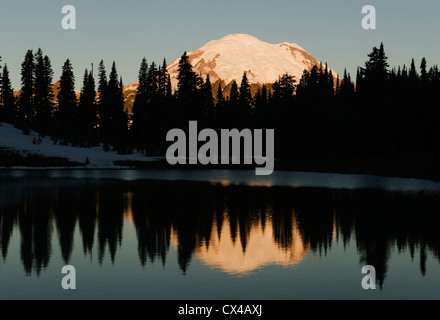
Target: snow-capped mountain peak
230,56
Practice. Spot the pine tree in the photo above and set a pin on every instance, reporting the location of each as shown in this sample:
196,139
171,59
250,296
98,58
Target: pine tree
325,82
143,78
413,77
138,126
245,98
166,112
187,78
44,96
220,107
338,85
87,110
423,74
234,95
187,87
358,76
376,68
220,99
152,89
310,89
169,89
102,84
232,113
373,100
124,108
67,103
284,89
162,81
7,97
346,89
208,100
330,85
26,110
245,102
103,107
152,109
117,121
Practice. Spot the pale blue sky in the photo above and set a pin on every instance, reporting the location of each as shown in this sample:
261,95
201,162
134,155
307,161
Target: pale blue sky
125,31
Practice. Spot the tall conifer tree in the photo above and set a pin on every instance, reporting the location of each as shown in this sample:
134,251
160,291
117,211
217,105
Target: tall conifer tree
87,110
7,98
26,110
67,103
187,88
138,126
44,96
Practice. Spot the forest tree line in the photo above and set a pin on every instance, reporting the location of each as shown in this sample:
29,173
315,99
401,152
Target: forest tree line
384,112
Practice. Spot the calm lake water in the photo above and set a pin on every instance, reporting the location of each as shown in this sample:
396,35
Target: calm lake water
217,235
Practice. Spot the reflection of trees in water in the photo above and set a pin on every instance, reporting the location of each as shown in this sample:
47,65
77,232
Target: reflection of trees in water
111,205
35,231
379,221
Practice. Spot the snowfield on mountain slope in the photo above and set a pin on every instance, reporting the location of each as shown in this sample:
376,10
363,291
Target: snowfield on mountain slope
230,56
13,139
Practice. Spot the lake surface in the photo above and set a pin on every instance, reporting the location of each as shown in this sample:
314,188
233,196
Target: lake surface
165,234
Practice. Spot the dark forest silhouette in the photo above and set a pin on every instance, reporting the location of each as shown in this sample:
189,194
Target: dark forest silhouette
379,221
385,114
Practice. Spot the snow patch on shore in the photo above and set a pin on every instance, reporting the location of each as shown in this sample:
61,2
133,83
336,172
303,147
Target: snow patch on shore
14,139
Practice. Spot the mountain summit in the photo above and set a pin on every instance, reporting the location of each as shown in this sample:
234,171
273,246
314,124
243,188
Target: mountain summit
229,57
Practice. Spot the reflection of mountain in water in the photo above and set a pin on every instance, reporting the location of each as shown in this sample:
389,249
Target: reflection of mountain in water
259,250
235,228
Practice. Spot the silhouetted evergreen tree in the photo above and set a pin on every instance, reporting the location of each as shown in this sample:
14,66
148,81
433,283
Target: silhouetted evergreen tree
220,108
8,112
152,109
346,88
282,104
330,85
103,108
117,118
152,83
26,111
424,74
283,89
232,107
337,85
245,103
207,103
373,97
169,89
139,121
374,76
44,96
166,113
67,103
187,89
86,116
162,81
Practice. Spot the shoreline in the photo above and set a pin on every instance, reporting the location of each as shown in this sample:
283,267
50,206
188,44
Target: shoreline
424,168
